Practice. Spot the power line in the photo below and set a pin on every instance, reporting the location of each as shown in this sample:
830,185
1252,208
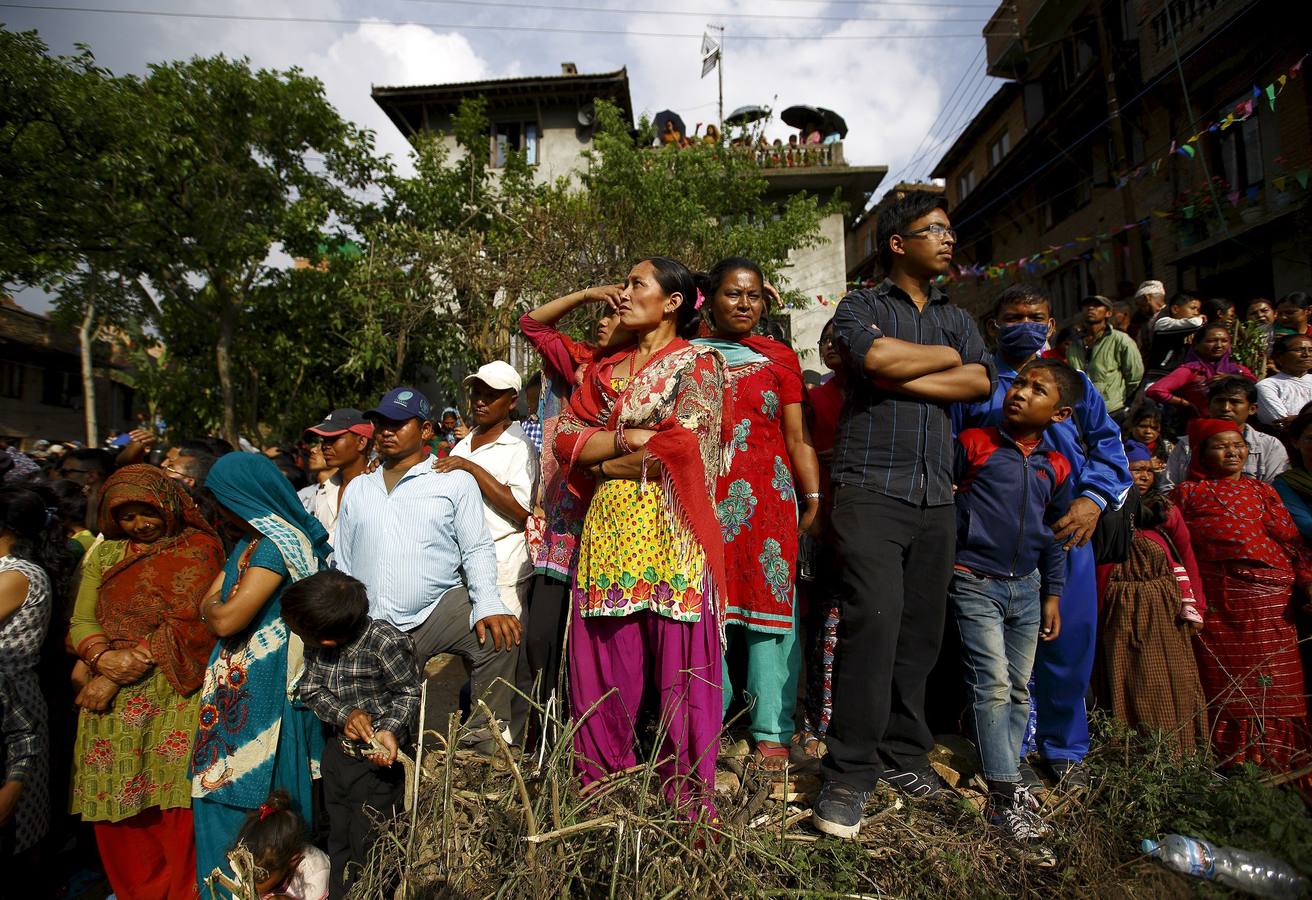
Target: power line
546,7
965,115
948,117
1061,154
956,88
535,29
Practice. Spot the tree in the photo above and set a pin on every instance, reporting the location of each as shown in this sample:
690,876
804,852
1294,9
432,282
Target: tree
67,216
464,248
242,163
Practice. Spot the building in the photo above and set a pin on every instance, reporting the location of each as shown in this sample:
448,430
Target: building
819,272
41,381
549,118
1125,143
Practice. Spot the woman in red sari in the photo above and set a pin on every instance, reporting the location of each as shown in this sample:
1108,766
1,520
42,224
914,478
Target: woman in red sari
757,503
1250,558
641,443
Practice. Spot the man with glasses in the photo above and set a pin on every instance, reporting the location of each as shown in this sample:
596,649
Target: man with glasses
344,437
409,533
908,353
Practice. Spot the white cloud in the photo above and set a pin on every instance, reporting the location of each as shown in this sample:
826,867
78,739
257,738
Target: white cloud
392,56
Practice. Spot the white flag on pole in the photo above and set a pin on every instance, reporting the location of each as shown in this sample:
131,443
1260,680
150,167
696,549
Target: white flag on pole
710,54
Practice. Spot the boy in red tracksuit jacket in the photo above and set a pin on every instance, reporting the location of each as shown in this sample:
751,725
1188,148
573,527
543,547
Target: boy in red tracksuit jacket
1012,484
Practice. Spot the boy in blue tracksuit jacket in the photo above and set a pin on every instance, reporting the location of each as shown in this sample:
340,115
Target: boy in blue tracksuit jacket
1012,485
1021,322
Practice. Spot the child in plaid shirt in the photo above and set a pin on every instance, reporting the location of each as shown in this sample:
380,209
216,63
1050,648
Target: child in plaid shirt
362,680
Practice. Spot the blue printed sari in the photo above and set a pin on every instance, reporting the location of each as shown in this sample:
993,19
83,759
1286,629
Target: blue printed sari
254,737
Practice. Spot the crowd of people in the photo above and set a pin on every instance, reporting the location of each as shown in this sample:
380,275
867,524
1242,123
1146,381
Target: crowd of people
970,526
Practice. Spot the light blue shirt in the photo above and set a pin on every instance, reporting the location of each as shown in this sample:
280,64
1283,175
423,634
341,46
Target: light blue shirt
409,546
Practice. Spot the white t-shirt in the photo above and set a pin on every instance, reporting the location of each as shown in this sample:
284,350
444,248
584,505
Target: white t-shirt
310,880
1282,395
511,460
323,501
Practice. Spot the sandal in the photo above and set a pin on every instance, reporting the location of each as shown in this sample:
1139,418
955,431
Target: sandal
809,744
771,756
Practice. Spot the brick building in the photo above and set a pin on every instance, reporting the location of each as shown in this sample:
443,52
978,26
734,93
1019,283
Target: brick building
41,381
1074,151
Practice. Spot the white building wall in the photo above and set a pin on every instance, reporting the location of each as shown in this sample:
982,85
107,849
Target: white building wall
820,270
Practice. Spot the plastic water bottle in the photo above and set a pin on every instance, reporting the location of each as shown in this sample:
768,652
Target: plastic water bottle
1243,870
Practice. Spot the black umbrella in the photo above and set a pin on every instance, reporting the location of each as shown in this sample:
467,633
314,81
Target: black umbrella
826,121
746,115
669,115
801,116
831,121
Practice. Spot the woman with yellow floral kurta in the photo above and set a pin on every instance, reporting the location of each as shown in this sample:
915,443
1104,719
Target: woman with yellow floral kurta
642,438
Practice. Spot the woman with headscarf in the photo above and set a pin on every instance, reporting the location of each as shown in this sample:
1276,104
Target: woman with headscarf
1151,608
253,737
642,442
1209,358
136,626
1250,559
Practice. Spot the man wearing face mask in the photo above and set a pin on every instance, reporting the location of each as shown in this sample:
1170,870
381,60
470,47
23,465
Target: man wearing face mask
1021,323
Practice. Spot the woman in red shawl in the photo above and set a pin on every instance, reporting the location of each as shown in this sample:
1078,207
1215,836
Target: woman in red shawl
1250,558
136,626
757,503
557,517
641,444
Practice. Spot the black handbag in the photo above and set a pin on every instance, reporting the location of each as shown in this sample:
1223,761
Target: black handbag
1114,534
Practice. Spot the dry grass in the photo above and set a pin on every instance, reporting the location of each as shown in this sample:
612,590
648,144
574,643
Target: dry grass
521,829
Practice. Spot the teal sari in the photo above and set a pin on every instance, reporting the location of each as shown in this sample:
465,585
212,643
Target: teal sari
254,736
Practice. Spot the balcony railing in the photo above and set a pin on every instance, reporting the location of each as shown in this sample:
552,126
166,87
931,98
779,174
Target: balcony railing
801,156
1178,16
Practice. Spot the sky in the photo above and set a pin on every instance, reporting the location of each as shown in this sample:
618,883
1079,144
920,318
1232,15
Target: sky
905,75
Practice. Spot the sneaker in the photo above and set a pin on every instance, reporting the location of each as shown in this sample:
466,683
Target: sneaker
1025,798
838,809
1016,820
1071,776
1031,779
915,783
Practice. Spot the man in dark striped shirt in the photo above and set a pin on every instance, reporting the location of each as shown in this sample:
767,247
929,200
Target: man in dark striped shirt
910,353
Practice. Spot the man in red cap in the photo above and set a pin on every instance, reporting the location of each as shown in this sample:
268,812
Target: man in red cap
345,436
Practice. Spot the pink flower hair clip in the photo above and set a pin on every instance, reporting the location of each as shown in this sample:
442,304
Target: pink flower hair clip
701,298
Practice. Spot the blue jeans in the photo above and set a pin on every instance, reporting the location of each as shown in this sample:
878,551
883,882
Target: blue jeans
998,619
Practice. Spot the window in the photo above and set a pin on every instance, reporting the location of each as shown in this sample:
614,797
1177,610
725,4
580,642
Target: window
999,148
965,183
61,388
516,137
1241,150
11,381
1068,186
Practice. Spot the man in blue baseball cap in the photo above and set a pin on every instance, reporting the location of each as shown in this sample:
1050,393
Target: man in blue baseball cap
408,532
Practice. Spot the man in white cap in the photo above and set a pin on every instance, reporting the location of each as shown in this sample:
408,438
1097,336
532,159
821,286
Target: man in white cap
504,463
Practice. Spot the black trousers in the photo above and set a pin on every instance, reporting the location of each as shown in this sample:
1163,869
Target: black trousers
540,649
895,562
356,794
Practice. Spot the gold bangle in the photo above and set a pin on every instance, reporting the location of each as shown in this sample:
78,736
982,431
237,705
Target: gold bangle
91,663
